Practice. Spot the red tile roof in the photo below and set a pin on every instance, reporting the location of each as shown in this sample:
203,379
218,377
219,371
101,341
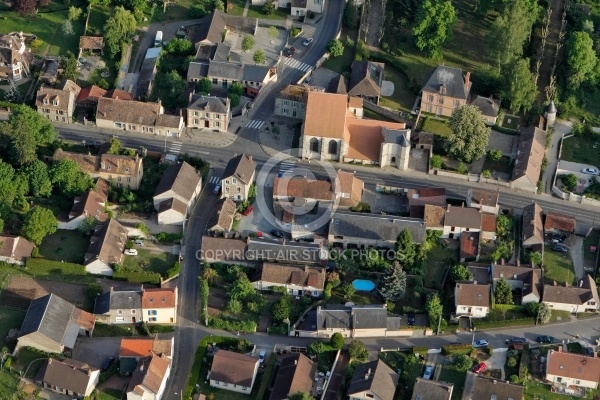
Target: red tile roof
571,365
559,222
159,298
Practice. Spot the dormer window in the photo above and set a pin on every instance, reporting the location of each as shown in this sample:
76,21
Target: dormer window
443,89
54,102
126,169
109,168
45,101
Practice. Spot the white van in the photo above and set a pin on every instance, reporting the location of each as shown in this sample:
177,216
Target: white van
158,39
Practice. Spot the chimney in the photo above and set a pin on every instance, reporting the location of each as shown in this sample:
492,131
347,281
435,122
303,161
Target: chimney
560,349
467,80
250,158
50,361
518,263
502,261
141,366
190,97
112,289
495,381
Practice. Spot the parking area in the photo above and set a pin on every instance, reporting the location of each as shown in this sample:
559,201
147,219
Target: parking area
262,40
94,351
322,77
379,202
569,167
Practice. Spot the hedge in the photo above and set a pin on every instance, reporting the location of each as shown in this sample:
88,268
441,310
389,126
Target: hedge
41,266
231,324
505,130
203,299
165,237
451,349
174,270
264,384
137,277
505,323
421,350
524,366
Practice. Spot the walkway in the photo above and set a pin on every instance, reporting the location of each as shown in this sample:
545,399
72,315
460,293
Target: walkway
560,129
246,8
558,7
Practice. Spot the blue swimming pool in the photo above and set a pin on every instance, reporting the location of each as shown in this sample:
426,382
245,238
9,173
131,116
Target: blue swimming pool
363,285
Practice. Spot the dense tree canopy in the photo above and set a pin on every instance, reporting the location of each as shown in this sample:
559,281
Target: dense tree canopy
406,251
520,87
119,28
68,179
241,289
39,179
169,87
503,292
460,273
469,136
581,58
203,86
335,48
281,309
433,27
357,351
337,341
259,56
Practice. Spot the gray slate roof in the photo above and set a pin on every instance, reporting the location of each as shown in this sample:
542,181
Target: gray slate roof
208,103
118,300
375,376
488,106
67,374
282,250
181,178
222,52
375,227
255,73
210,28
397,136
451,77
366,78
339,85
225,70
197,70
240,167
352,317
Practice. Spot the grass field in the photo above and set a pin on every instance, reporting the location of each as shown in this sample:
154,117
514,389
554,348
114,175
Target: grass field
510,121
581,149
10,319
402,98
98,17
26,356
502,165
455,377
343,63
105,330
158,262
538,390
235,7
8,382
558,267
109,394
178,10
256,12
368,114
438,127
63,245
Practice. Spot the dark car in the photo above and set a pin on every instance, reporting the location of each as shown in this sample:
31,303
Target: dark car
545,339
519,340
276,233
560,248
107,363
588,351
411,319
290,52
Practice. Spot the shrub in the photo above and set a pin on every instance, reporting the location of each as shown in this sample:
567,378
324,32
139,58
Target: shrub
165,237
494,155
231,324
436,161
174,270
462,362
203,299
295,32
511,362
35,252
424,123
337,341
486,173
462,168
457,349
513,378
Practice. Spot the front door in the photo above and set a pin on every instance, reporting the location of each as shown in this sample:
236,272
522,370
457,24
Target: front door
133,320
207,124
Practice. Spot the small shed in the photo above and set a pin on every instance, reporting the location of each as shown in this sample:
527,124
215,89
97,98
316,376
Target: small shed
93,44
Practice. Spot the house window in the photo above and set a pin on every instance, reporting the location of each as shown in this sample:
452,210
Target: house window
150,130
293,113
218,124
456,103
195,113
55,103
226,190
429,108
45,101
314,145
207,115
132,127
119,319
152,312
333,147
479,309
128,179
239,189
285,111
577,381
109,167
234,180
441,100
133,311
369,395
430,97
285,102
195,122
225,384
224,84
227,181
152,319
120,312
215,81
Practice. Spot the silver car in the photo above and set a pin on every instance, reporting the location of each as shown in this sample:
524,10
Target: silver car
307,42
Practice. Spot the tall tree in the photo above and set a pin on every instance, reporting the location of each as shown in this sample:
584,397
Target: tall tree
69,65
357,351
247,43
25,119
203,86
241,289
23,148
521,89
433,27
169,88
8,186
406,251
337,341
392,286
460,273
74,13
503,292
281,309
39,222
119,29
581,58
349,18
39,179
434,309
273,32
469,136
335,48
259,56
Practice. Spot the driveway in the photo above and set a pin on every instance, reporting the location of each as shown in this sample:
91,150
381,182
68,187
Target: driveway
94,351
469,383
497,360
575,245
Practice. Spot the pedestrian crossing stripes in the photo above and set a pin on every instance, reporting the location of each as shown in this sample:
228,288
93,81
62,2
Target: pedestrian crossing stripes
255,124
285,166
290,62
175,148
214,180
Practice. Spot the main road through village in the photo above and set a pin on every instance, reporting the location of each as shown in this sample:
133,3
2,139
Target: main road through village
189,329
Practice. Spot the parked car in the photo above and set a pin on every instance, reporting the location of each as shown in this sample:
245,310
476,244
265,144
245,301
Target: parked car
545,339
480,343
308,80
519,340
139,242
290,52
560,248
479,368
588,351
248,210
261,357
428,372
590,171
307,42
131,252
411,319
217,189
107,363
276,233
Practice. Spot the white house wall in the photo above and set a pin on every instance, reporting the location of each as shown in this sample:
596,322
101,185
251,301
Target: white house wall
99,267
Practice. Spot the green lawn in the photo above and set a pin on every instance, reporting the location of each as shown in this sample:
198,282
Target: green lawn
109,394
63,245
343,63
8,382
256,12
581,149
558,267
593,239
510,121
98,16
105,330
503,165
455,377
179,10
437,260
402,98
538,390
506,312
10,319
368,114
158,262
236,7
26,356
438,127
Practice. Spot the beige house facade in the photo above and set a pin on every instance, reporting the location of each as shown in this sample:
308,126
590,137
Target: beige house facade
445,89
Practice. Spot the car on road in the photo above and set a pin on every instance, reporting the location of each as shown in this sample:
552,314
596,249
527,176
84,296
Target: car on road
480,343
518,340
248,210
290,52
308,80
559,248
217,189
428,372
545,339
411,319
590,171
307,42
107,363
277,234
131,252
479,368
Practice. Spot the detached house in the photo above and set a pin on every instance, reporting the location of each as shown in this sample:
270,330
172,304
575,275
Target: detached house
14,57
119,307
57,105
176,193
486,388
295,374
15,249
533,229
426,389
137,116
373,380
208,112
472,300
135,349
366,80
298,280
149,380
69,377
445,89
352,321
238,178
302,7
567,369
159,306
574,299
526,279
222,219
106,248
53,324
484,200
233,371
461,219
91,204
528,164
489,108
